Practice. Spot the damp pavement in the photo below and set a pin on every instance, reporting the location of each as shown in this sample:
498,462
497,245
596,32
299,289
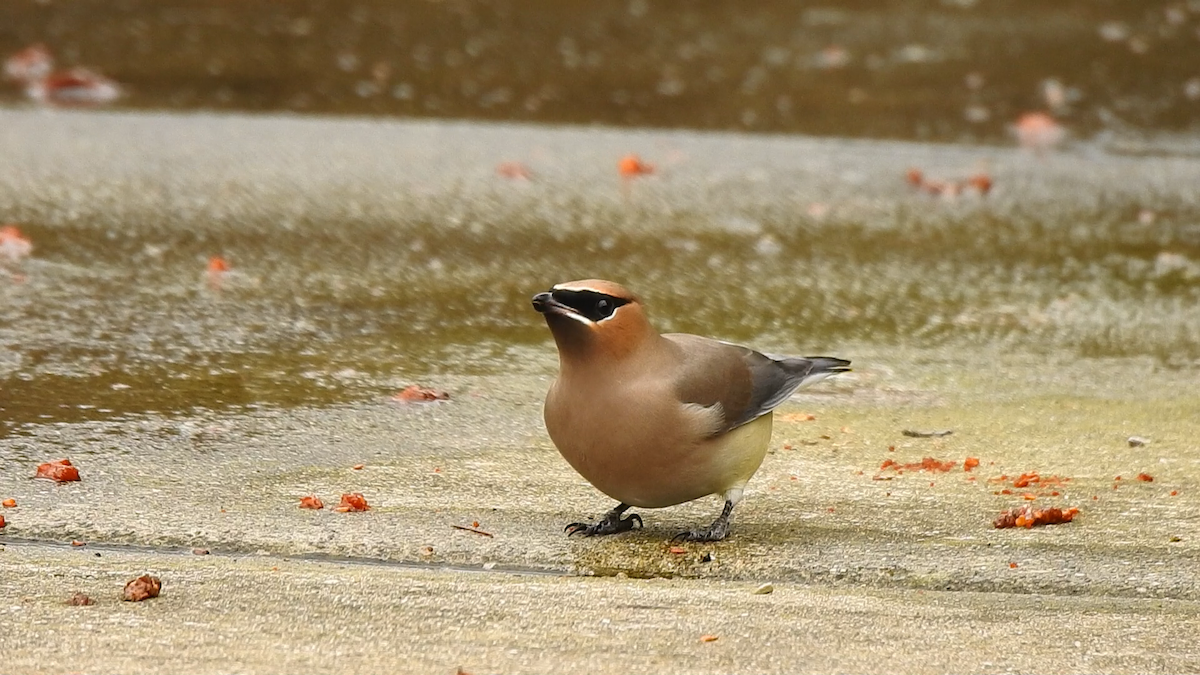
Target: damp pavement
1044,323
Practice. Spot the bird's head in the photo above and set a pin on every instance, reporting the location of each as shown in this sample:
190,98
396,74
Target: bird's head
594,318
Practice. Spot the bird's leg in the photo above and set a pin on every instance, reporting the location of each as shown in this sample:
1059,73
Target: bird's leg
612,523
714,532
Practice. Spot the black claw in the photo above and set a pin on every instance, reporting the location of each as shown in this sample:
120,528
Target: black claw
612,523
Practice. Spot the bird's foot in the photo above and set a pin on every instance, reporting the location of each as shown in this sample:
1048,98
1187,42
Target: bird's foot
612,524
714,532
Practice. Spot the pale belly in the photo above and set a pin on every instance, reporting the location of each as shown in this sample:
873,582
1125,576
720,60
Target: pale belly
648,459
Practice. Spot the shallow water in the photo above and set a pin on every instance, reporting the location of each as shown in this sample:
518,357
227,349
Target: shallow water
366,254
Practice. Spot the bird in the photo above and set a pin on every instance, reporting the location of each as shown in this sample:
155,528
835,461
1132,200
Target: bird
655,420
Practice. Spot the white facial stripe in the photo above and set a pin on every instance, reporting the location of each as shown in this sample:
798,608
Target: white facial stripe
569,287
578,317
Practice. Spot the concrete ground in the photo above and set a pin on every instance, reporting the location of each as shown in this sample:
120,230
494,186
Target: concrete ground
263,614
874,570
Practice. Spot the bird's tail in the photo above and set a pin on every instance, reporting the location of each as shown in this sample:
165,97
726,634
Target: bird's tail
821,367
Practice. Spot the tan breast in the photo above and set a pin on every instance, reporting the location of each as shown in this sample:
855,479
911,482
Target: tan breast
629,436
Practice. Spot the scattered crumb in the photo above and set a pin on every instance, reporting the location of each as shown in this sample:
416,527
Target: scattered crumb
514,170
426,550
1145,478
312,502
77,543
926,464
358,467
1137,441
142,588
708,638
677,550
1028,517
2,522
417,394
199,551
1174,492
1012,565
353,501
9,503
970,463
632,165
60,471
764,589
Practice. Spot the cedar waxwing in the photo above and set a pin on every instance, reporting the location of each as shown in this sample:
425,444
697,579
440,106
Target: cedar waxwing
658,420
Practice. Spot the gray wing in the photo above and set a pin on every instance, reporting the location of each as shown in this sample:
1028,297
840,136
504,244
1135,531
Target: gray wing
747,384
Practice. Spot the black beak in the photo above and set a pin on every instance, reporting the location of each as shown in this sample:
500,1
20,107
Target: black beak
543,302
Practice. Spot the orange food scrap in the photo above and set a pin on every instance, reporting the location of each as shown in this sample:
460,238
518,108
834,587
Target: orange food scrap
61,471
1117,478
1145,478
1174,493
312,502
1039,132
358,467
1029,496
1012,565
475,524
1025,479
677,550
2,523
217,264
981,182
142,588
514,170
1028,517
77,543
926,464
9,503
353,501
797,417
14,245
914,176
970,463
708,638
632,165
416,394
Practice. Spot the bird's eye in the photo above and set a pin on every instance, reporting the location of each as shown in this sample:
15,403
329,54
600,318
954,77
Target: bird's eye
604,308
